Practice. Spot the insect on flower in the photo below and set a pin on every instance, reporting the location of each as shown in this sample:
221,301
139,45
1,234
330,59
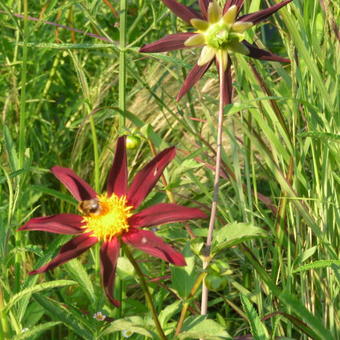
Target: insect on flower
219,32
89,207
111,218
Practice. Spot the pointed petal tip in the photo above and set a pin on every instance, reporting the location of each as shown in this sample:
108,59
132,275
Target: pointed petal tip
180,262
116,303
263,14
182,11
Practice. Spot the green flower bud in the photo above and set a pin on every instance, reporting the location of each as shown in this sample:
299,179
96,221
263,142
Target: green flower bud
132,142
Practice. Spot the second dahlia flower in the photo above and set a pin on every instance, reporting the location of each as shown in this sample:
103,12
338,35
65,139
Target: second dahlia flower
219,32
111,218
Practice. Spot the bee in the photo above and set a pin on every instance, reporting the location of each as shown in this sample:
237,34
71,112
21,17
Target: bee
90,207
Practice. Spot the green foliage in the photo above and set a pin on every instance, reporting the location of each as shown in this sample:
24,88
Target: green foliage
274,270
200,327
258,329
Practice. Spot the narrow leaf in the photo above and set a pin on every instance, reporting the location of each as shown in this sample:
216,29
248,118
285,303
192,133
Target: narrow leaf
317,264
60,312
79,274
37,288
36,330
258,329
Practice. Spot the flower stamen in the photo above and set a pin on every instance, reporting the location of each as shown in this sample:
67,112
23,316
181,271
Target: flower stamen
112,219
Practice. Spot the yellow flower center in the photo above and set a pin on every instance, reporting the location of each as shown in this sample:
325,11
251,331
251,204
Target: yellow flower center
110,219
219,35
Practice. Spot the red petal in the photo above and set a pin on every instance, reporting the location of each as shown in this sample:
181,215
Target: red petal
75,185
204,7
183,12
146,179
263,14
68,251
57,224
168,43
148,242
118,176
109,253
164,213
192,78
229,3
258,53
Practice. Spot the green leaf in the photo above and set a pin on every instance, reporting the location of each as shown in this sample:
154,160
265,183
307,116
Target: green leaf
258,329
317,264
79,274
10,149
183,278
134,324
55,193
37,288
60,312
34,331
235,233
324,136
124,268
183,167
306,316
67,46
168,312
196,327
308,253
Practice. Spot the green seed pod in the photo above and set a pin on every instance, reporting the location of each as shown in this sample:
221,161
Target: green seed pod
216,282
132,142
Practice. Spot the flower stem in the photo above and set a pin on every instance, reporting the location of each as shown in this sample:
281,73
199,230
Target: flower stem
204,300
95,152
146,292
22,123
19,258
4,329
122,62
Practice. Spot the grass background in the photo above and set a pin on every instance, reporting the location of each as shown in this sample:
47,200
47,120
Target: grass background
61,99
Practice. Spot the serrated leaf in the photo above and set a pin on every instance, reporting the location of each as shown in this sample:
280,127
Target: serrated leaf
258,329
317,264
37,288
233,234
58,311
134,324
36,330
168,312
67,46
321,135
196,327
79,274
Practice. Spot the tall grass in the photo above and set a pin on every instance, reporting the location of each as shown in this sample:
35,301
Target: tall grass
64,100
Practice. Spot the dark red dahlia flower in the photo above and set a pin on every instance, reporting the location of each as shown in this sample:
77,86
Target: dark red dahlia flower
110,218
220,32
